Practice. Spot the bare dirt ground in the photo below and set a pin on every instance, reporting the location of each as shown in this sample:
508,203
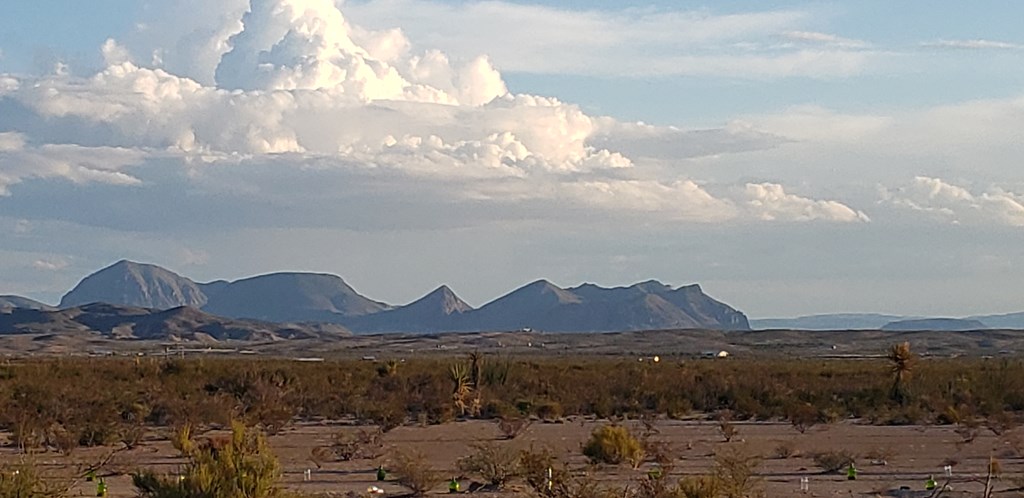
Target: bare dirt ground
686,343
914,453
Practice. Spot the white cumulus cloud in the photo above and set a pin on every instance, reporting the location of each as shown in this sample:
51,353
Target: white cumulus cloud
771,202
957,204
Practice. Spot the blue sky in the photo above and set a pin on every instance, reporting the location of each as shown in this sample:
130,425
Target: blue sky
850,154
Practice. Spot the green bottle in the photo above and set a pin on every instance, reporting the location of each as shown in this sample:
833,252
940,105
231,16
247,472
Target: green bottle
101,488
453,486
381,473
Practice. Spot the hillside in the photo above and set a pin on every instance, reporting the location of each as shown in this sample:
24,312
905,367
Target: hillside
23,302
131,323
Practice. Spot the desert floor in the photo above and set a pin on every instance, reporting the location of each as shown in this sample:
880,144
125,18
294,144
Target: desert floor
914,452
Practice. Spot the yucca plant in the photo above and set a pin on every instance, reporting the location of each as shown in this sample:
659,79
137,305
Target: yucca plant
462,389
476,369
901,361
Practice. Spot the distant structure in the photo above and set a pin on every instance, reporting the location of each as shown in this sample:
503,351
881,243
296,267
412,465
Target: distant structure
711,355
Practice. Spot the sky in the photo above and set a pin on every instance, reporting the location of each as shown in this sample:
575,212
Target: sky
792,157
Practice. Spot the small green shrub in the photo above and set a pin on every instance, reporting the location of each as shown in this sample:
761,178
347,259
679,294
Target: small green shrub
613,444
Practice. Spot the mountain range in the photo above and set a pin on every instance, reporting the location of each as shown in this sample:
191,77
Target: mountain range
321,298
874,321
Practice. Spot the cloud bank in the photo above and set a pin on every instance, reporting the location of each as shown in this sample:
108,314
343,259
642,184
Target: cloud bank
305,110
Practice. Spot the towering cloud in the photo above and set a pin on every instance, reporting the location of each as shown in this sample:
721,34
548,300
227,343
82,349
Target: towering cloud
309,45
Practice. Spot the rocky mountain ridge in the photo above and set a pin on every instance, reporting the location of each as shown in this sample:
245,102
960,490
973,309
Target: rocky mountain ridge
322,298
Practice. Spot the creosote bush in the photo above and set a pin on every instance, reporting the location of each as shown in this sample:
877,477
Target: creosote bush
833,461
512,427
785,449
734,473
413,471
496,465
534,466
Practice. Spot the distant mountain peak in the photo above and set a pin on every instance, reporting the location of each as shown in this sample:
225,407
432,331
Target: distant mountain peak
442,300
652,286
135,284
545,287
541,284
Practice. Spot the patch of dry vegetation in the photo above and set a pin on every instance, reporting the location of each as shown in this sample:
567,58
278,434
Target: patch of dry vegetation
65,403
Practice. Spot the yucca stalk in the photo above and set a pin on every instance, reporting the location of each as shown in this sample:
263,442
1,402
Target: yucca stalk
901,364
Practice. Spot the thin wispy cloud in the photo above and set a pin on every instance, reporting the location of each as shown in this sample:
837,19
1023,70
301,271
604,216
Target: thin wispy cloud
627,42
976,44
815,37
50,264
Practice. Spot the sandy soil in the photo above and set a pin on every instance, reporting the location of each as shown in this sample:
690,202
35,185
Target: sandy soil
915,452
